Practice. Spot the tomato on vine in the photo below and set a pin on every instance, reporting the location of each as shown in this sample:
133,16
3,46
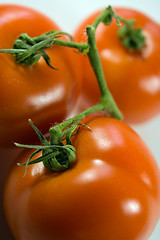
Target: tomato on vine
111,192
33,91
130,63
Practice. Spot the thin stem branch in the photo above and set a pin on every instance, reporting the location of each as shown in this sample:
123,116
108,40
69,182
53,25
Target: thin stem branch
102,17
79,46
70,121
95,61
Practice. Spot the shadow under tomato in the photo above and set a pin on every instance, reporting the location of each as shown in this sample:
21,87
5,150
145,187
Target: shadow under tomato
7,158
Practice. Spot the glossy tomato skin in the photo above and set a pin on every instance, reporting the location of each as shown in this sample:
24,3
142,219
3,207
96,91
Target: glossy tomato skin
133,78
37,92
112,192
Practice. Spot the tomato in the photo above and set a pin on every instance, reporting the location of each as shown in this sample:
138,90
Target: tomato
132,77
112,192
37,92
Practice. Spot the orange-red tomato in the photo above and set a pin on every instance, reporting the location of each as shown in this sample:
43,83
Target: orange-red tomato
112,192
132,77
37,92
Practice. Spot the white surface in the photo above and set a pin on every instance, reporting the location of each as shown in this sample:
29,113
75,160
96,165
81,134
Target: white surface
68,14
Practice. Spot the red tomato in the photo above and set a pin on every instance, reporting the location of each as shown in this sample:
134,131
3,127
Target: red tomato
112,192
132,77
37,92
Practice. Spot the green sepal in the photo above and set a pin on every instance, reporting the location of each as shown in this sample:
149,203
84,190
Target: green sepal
132,38
28,161
39,134
47,60
27,51
60,160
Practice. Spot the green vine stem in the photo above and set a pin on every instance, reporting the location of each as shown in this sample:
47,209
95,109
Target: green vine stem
56,155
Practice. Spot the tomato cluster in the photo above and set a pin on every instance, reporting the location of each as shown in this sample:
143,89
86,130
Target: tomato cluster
113,189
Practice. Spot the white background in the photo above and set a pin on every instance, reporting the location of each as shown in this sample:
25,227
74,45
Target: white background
69,13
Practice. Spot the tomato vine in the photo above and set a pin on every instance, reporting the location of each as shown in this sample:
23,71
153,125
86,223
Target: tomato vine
27,51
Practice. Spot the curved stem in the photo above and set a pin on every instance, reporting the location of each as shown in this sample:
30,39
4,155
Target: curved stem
95,60
106,97
107,102
59,128
102,17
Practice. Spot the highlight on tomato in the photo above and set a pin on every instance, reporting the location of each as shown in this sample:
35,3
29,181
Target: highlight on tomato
111,192
37,92
130,57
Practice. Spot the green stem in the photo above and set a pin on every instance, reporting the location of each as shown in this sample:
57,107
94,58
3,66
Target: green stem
56,131
93,55
95,60
103,17
81,47
106,103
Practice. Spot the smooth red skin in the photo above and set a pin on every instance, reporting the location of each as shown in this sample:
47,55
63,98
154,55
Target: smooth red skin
112,192
133,78
39,92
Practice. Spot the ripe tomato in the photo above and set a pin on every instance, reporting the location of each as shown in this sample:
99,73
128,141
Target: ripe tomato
112,192
37,92
132,77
